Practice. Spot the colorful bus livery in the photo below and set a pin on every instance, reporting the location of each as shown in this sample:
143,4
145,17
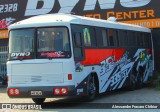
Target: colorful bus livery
68,55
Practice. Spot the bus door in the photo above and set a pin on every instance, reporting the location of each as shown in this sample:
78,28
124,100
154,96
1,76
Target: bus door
78,44
79,56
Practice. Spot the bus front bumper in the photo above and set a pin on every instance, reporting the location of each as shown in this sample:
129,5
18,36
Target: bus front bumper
41,91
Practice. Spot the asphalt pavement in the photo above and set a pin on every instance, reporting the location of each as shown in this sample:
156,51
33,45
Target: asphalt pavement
104,102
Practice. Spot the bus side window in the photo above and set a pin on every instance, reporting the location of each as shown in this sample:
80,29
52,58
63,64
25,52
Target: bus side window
105,38
102,37
149,40
146,40
111,39
123,38
78,41
132,38
78,49
139,39
116,37
89,37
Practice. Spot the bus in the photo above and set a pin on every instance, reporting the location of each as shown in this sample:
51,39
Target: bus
65,55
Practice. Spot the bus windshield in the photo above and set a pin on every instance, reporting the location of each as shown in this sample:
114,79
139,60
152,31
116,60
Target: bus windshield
39,43
21,43
53,42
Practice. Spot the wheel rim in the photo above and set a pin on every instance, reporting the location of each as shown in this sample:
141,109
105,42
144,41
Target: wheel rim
92,87
140,81
133,81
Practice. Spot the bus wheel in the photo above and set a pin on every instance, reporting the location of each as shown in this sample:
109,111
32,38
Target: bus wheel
92,89
132,83
38,100
139,81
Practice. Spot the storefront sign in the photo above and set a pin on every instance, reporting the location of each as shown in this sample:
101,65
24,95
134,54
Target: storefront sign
3,34
150,23
129,11
5,8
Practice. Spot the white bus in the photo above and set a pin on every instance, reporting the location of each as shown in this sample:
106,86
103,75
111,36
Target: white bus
63,55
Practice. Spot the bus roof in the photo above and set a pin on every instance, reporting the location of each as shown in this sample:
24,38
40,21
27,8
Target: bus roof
60,19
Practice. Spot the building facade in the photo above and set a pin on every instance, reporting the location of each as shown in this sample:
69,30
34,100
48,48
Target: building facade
140,12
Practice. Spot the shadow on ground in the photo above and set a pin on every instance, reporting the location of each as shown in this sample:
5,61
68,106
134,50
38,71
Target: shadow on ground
81,103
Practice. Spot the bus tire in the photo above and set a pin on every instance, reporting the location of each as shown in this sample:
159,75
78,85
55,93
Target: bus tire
139,84
38,101
92,88
132,82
